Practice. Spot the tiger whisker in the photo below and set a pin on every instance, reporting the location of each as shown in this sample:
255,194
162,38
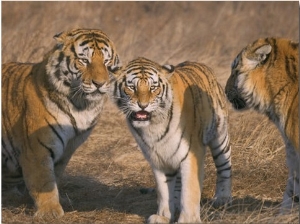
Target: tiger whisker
77,91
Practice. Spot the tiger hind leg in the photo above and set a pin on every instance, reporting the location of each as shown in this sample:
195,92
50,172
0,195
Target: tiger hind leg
221,153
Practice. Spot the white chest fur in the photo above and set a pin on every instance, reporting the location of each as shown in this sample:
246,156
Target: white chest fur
164,144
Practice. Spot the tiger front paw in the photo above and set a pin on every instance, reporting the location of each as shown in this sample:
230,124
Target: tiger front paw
221,201
49,211
158,219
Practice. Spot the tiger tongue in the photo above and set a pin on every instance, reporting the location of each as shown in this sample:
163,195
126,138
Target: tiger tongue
141,115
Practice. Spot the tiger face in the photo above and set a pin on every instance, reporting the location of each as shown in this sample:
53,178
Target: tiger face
81,64
258,74
142,90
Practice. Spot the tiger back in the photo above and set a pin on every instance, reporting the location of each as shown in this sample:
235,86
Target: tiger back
174,113
264,77
50,108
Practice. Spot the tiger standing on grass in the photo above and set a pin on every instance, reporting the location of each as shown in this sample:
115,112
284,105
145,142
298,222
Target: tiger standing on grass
50,108
174,113
264,76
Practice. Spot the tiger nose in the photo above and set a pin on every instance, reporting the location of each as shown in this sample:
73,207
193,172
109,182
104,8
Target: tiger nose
142,105
97,83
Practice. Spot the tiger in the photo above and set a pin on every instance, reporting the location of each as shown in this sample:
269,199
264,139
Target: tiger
174,113
50,108
264,77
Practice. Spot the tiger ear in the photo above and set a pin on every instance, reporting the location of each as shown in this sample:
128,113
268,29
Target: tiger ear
117,73
60,37
258,56
169,70
115,65
262,52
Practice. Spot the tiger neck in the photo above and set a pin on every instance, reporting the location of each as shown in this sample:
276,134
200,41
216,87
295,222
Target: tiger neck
284,113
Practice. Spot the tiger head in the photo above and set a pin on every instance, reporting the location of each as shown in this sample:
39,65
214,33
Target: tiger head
258,74
80,64
142,91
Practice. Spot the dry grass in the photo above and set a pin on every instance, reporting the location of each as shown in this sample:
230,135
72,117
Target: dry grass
103,178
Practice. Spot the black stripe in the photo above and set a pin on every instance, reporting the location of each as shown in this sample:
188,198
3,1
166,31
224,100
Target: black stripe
214,148
179,143
9,157
281,89
48,148
273,43
171,174
140,135
190,89
55,98
85,42
72,50
220,171
186,155
119,100
290,68
170,115
61,58
295,46
56,133
68,62
184,158
223,164
289,110
9,134
215,157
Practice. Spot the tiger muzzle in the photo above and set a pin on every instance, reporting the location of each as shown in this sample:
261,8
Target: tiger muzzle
235,99
141,116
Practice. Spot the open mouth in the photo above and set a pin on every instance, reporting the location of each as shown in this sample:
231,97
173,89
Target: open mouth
238,103
141,116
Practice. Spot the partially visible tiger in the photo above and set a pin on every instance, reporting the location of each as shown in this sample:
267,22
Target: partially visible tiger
50,108
264,77
174,113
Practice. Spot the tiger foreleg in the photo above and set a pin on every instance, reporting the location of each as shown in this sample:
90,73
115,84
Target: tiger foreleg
192,173
165,198
41,183
291,194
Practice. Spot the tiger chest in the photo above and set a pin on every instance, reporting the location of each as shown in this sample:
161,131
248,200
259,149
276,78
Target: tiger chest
164,154
72,120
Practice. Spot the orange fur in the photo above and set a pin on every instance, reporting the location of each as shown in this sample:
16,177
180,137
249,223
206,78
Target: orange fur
49,109
265,77
174,113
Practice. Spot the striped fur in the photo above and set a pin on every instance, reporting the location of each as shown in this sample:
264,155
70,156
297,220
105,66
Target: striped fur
174,113
264,77
50,108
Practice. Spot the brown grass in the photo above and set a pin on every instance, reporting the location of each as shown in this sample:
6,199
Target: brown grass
103,178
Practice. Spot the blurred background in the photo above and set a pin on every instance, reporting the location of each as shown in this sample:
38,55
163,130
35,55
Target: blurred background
103,178
167,32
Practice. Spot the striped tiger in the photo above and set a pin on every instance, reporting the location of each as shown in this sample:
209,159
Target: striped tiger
174,113
264,76
50,108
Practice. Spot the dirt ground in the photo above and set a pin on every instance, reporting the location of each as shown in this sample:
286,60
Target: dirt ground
103,179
